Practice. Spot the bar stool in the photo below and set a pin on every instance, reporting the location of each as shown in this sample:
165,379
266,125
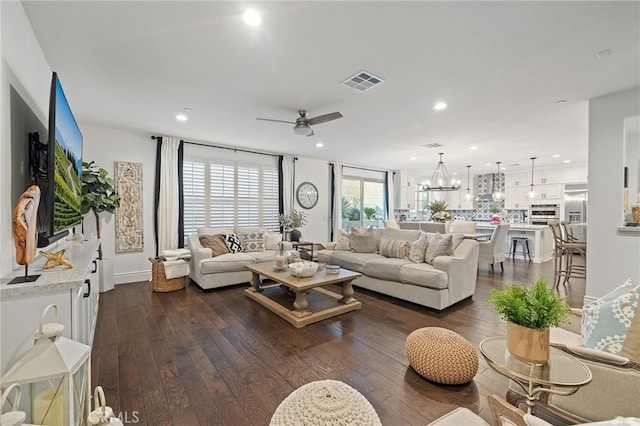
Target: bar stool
566,248
524,241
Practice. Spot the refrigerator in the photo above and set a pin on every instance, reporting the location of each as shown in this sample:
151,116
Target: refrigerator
575,210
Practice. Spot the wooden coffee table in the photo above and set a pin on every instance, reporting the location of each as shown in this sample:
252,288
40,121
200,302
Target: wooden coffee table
310,302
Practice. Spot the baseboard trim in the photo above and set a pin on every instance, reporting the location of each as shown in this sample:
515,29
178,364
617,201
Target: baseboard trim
131,277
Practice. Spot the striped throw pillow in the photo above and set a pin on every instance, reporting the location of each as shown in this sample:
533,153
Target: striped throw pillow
395,248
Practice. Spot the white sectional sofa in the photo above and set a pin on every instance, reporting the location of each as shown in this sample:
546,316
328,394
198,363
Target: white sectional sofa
227,269
447,280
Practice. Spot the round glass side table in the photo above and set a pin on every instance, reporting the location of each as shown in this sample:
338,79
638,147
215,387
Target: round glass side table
563,374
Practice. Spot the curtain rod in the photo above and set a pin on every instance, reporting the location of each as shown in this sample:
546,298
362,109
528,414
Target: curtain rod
223,147
363,168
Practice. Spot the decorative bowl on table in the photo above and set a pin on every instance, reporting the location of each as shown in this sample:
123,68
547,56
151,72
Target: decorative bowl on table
303,269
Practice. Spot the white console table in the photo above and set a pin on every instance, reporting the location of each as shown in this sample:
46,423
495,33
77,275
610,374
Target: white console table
74,291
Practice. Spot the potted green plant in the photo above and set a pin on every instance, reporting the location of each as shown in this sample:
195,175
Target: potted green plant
529,314
291,221
98,194
439,211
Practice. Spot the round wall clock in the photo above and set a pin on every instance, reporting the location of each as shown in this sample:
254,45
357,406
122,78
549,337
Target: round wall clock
307,195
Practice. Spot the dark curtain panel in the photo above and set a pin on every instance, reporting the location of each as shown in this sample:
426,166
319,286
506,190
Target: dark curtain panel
332,191
386,194
180,196
280,185
157,190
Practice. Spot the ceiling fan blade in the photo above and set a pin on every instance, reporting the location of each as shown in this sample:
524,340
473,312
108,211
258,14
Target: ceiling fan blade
324,118
277,121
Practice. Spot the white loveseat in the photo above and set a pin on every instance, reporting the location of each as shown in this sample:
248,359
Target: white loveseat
227,269
447,280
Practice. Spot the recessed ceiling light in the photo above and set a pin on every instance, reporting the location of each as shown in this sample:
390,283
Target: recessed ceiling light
488,164
556,155
319,145
503,168
454,173
566,161
181,117
439,106
414,158
252,18
473,147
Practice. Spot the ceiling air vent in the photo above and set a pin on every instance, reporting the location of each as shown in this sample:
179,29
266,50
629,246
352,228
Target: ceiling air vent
363,81
432,145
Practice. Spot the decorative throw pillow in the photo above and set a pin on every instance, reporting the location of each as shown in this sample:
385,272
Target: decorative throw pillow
395,248
456,239
271,241
363,240
438,246
252,240
216,243
418,248
606,321
234,243
344,240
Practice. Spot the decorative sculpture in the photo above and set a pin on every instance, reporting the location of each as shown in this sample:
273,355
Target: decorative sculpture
25,235
55,259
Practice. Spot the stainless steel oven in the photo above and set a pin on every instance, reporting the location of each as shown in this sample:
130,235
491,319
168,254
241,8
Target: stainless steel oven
541,214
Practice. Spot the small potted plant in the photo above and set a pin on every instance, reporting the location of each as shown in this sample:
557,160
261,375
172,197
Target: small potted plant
529,314
439,211
290,223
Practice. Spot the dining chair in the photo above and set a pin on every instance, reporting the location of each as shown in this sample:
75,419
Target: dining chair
492,251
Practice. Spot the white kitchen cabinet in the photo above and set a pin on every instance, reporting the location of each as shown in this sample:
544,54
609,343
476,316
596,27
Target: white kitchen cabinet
574,174
74,291
547,176
456,200
517,179
406,191
515,197
549,192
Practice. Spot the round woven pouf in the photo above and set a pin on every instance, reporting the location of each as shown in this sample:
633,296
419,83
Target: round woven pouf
325,402
441,355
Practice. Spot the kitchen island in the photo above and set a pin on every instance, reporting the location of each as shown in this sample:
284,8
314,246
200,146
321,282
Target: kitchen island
540,239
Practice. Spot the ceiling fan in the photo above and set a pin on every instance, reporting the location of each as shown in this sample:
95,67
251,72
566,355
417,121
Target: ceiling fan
302,125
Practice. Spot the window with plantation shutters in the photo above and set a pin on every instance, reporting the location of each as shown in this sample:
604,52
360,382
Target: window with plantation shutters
228,194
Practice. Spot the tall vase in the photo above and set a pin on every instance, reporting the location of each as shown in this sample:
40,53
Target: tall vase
528,344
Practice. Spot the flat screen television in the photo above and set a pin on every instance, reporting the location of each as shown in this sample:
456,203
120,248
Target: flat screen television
64,168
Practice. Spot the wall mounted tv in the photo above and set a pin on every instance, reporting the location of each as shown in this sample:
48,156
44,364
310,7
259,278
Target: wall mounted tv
64,168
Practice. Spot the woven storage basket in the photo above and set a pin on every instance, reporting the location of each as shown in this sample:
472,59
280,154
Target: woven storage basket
160,282
635,212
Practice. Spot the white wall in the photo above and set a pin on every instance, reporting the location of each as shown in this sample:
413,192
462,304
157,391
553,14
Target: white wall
612,258
24,67
316,172
106,146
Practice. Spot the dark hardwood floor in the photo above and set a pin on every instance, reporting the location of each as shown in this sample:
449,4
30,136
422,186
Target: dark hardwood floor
217,358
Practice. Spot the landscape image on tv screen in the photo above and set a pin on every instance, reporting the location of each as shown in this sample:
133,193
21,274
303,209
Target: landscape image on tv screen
67,165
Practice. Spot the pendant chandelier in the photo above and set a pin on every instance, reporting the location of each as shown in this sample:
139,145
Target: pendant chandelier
497,195
468,196
441,179
532,193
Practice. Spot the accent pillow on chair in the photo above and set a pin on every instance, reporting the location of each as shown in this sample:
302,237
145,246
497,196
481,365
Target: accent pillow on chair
216,243
606,321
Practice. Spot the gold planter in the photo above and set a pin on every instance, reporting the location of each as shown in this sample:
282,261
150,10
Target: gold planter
528,344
